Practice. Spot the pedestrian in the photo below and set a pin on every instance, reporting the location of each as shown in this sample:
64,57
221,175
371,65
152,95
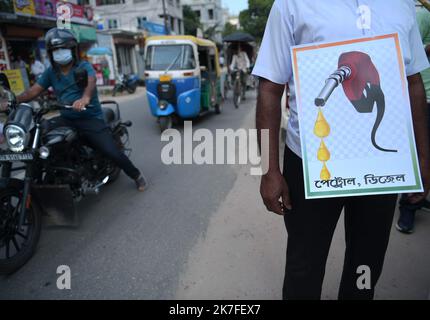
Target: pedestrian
14,63
310,224
106,73
406,221
223,77
37,68
20,63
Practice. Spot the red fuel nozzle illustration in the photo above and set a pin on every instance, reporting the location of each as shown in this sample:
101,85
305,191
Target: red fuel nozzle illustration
361,84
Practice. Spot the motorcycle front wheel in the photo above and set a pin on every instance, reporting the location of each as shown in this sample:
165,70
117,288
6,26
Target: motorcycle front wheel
16,246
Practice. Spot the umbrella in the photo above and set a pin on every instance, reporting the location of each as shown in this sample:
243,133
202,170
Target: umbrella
99,51
239,37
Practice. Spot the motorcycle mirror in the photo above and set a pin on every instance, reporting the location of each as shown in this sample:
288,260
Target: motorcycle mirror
81,78
4,81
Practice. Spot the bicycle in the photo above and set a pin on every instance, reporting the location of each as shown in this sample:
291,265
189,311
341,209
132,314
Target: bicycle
238,89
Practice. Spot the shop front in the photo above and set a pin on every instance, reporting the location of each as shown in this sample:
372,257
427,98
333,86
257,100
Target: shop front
124,47
21,46
23,25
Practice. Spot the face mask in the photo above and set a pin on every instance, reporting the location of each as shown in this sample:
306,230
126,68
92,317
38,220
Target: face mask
62,56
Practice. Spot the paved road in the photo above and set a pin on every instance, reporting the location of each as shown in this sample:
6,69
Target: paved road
132,245
197,233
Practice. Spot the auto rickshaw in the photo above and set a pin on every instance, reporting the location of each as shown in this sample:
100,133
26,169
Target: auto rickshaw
182,76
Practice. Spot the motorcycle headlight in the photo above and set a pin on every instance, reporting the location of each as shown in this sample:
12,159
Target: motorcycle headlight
15,137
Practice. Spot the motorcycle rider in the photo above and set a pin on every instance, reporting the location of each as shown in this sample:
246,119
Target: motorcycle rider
62,45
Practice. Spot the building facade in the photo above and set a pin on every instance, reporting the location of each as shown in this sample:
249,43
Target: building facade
139,15
211,14
125,23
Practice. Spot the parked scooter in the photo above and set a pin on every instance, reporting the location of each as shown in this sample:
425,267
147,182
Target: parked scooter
126,82
58,170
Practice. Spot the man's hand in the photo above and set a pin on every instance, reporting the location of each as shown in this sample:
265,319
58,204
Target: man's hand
79,105
274,187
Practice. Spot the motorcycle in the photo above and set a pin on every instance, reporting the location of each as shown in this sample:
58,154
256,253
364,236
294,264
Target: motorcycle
126,82
58,168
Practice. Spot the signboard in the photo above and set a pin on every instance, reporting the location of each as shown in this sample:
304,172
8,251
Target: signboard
24,7
359,140
16,80
84,33
79,14
46,8
4,62
154,28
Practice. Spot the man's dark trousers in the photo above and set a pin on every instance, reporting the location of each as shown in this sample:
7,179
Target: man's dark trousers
99,136
310,226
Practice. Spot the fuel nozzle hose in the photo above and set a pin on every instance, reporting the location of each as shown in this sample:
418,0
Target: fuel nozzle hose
361,85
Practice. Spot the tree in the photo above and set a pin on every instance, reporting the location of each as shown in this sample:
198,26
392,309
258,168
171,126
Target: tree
191,21
211,32
229,29
253,20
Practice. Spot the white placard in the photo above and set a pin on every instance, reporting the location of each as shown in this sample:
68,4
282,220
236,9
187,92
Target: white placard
361,141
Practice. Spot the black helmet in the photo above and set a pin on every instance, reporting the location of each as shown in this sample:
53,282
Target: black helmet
60,39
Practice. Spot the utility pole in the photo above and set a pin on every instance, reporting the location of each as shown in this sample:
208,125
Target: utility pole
166,22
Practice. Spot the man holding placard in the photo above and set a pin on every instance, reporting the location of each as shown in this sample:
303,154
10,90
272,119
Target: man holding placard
406,221
344,157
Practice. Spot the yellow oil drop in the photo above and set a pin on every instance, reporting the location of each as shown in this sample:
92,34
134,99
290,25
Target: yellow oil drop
322,128
325,174
323,153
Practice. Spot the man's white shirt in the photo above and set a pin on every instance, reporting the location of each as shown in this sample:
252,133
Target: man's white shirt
240,62
37,68
294,22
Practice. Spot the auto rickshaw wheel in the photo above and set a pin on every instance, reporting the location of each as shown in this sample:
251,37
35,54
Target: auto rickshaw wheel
165,123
